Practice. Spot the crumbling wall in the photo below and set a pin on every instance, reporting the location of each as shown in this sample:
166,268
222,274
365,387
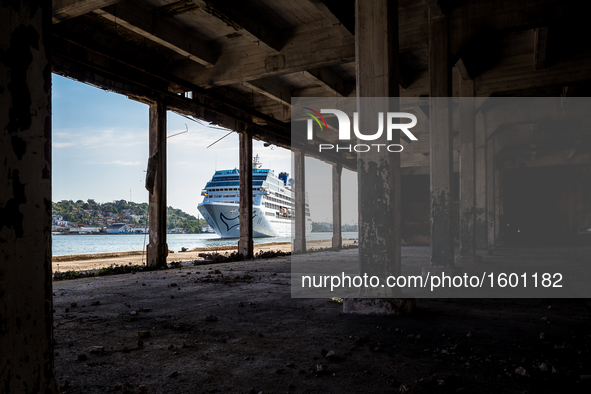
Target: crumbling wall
26,352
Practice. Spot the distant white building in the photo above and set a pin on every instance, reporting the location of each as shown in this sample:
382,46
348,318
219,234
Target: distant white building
89,230
118,228
140,230
59,221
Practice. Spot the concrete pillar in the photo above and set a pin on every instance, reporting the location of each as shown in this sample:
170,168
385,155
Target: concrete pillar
337,239
490,194
378,172
467,186
441,143
480,178
299,173
26,316
157,247
245,244
498,204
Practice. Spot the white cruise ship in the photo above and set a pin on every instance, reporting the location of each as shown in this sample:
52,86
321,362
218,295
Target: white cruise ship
273,203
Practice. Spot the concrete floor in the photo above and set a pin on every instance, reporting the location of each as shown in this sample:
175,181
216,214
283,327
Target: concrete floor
234,328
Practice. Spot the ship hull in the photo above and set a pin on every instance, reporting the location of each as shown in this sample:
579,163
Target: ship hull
224,220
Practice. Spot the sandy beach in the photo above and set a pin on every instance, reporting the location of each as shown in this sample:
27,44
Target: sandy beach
90,261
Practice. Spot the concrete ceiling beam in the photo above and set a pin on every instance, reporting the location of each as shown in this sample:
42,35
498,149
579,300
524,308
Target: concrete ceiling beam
271,89
245,21
540,47
158,30
330,14
330,81
67,9
308,50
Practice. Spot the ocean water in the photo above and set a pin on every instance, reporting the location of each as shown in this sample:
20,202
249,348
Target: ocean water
75,244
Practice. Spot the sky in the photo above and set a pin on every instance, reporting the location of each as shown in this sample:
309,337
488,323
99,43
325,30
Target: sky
100,152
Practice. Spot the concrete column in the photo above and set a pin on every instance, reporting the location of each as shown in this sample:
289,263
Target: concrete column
245,244
337,239
498,204
480,178
299,244
157,247
467,186
378,172
26,308
490,194
441,142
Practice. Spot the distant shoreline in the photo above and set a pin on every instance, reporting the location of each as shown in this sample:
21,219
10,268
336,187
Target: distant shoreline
83,244
87,261
284,246
105,255
53,233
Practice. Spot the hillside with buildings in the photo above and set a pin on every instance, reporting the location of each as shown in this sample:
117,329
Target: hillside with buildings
117,217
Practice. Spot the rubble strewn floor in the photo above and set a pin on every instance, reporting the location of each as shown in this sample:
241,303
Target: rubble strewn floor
233,328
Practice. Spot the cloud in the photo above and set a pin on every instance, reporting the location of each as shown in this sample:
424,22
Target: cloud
193,140
127,163
62,144
99,138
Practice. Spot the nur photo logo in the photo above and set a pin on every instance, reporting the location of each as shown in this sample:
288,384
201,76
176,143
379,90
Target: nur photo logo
385,121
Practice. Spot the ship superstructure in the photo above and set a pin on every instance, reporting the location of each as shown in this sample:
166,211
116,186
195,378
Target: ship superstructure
273,203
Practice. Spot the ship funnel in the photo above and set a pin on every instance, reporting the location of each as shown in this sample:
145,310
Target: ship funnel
283,176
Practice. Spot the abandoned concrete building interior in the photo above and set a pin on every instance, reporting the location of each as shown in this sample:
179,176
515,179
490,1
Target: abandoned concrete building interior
500,174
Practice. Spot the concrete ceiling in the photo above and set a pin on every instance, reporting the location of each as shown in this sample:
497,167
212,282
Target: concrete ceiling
243,61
